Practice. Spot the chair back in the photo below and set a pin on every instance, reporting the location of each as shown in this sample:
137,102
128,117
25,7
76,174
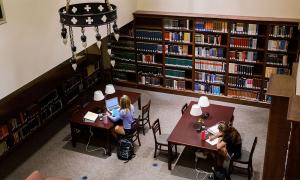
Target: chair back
134,129
252,149
146,110
156,128
184,107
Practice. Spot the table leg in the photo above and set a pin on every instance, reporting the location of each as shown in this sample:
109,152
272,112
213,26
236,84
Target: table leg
108,143
169,156
139,103
73,134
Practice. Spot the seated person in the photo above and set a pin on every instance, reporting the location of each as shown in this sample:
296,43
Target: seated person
230,141
125,114
229,144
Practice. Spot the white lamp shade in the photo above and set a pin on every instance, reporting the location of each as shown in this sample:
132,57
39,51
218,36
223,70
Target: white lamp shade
203,101
109,89
98,95
196,110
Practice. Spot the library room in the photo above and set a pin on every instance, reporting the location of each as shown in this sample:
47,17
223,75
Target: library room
149,89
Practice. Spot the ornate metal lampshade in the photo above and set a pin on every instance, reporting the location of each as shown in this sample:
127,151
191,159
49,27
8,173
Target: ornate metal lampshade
86,15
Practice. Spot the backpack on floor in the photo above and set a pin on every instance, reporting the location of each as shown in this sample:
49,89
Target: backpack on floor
125,150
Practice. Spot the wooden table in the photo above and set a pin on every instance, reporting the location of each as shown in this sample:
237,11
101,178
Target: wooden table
77,117
185,134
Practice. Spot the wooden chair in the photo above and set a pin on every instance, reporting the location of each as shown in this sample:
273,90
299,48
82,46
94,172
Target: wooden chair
160,139
246,158
184,107
145,117
135,134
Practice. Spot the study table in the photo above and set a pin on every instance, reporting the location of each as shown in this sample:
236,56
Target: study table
185,134
76,121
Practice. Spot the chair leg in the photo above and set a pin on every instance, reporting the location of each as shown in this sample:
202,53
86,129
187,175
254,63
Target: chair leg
149,123
138,137
143,127
155,150
249,173
175,149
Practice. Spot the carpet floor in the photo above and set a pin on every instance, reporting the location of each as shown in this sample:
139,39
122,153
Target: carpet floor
50,150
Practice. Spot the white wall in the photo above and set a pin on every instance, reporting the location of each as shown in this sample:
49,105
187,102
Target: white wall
266,8
30,42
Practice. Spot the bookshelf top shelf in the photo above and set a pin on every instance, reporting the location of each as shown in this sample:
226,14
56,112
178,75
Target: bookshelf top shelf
214,16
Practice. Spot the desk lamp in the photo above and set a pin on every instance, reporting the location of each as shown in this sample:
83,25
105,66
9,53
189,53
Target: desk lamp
109,89
98,96
204,102
196,111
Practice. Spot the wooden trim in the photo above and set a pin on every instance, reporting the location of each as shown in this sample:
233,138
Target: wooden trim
214,16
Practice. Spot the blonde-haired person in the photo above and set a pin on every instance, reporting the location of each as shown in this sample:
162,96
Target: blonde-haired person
125,114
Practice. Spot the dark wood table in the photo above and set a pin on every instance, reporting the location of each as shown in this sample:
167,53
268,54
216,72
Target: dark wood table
77,117
185,134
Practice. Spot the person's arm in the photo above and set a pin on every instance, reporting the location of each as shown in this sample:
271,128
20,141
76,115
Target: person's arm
115,118
217,135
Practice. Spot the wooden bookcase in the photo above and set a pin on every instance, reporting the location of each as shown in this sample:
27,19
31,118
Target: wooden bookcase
228,58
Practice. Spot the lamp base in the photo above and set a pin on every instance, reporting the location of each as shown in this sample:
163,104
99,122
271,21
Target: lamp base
204,115
197,126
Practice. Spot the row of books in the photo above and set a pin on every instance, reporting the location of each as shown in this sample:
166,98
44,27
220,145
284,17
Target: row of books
240,69
247,56
177,49
281,31
148,58
277,59
175,73
207,88
179,62
243,94
149,47
177,24
123,44
275,70
209,77
278,45
211,26
150,70
178,36
217,53
150,80
3,147
125,67
244,28
210,65
244,82
175,84
243,42
148,35
123,55
208,39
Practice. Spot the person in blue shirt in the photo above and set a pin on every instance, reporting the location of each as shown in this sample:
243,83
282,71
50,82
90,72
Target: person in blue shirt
124,113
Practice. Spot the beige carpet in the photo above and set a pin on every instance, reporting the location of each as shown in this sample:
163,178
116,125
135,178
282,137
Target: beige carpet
57,157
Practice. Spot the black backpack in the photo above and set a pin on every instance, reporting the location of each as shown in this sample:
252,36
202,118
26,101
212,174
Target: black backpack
125,150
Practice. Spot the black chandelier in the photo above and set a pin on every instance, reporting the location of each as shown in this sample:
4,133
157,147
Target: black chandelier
86,15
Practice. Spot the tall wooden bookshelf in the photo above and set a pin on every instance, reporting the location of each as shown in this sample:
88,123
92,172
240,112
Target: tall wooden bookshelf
228,58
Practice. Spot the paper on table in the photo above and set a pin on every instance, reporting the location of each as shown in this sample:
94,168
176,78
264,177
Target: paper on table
213,142
214,129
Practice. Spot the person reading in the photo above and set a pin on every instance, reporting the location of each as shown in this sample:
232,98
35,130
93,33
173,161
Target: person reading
230,143
124,113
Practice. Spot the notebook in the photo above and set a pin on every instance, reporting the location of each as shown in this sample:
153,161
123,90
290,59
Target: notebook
214,129
112,104
90,117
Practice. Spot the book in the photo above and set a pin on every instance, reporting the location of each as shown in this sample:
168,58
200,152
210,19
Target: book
90,117
213,129
212,142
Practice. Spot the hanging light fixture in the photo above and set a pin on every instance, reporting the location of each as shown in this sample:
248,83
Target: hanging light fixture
85,15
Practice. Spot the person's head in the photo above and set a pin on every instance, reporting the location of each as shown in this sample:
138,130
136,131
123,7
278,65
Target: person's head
125,102
223,127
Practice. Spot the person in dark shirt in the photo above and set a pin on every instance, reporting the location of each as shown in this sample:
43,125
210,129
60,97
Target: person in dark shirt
229,145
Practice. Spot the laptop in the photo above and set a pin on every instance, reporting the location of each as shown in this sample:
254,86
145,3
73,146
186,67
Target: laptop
112,104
